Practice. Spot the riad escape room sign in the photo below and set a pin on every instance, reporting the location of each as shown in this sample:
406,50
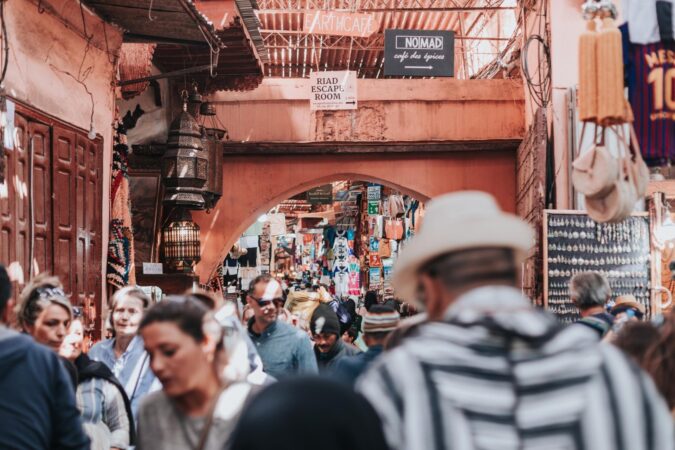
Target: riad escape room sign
417,53
332,90
337,23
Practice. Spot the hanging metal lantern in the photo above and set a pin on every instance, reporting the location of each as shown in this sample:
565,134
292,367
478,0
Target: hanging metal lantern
194,101
207,109
214,149
185,166
180,242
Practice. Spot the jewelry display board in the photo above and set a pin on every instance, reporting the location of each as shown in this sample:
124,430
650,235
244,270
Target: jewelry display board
574,243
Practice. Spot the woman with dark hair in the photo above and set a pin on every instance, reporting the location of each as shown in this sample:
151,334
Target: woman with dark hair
308,414
195,409
659,361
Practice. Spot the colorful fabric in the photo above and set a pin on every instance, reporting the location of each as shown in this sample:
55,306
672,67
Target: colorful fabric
119,254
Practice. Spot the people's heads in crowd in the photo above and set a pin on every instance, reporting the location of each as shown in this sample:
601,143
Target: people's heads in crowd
72,344
126,308
628,306
351,335
264,297
406,328
325,328
444,278
370,299
44,311
5,292
659,360
208,299
378,324
308,414
182,344
635,338
589,291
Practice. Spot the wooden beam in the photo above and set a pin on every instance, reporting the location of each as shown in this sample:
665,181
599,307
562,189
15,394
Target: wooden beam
325,148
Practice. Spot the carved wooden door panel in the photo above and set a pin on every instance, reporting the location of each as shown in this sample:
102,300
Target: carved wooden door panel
14,206
40,139
64,207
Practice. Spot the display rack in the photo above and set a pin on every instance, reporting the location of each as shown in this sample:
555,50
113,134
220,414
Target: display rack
574,243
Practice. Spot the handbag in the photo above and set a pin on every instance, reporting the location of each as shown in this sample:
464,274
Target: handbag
385,248
595,171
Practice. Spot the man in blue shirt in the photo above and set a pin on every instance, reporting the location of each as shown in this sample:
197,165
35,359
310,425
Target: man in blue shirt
283,349
37,402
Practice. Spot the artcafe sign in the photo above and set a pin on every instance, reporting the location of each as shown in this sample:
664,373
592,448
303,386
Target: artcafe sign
336,23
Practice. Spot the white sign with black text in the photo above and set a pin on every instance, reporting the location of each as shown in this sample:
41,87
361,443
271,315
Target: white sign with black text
332,90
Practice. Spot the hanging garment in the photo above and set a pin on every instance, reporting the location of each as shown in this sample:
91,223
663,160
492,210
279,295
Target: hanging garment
645,19
393,228
374,260
277,224
648,70
341,278
374,244
396,205
385,248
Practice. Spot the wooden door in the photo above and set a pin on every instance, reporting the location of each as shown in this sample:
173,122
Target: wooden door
64,207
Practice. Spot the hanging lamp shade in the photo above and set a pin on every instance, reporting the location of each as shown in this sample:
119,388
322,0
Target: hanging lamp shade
185,165
181,242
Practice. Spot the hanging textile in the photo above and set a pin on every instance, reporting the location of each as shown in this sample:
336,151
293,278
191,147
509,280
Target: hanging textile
120,267
649,21
648,71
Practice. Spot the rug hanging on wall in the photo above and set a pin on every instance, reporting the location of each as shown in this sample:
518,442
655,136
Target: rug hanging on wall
120,271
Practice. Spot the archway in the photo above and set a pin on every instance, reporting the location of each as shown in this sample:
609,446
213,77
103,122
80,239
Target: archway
254,183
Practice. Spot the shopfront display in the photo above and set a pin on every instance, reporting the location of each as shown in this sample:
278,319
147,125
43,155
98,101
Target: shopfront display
349,244
573,243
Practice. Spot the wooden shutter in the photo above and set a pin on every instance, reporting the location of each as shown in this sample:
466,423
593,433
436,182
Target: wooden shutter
39,136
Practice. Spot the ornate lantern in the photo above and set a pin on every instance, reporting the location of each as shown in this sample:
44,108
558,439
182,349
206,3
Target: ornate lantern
180,242
185,165
214,132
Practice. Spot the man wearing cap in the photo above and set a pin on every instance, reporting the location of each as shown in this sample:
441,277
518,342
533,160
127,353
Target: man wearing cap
378,323
491,371
329,347
283,349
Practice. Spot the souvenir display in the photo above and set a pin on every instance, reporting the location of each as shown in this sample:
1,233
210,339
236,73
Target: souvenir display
574,243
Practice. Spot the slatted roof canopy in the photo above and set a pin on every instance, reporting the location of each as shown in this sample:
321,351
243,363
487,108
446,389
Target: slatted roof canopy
484,30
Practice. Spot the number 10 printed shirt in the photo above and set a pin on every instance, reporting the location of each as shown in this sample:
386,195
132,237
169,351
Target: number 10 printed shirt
650,76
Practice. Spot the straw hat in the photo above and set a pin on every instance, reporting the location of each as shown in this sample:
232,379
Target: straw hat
455,222
626,301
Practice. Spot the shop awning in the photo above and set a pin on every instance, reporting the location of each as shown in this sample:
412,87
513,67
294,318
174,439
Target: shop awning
169,21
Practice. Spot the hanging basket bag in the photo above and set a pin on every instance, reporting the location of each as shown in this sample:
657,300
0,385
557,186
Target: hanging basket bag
595,171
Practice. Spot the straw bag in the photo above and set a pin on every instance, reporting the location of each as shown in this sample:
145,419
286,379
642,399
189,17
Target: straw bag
595,171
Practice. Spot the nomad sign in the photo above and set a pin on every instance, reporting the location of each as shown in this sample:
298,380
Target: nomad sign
417,53
335,23
332,90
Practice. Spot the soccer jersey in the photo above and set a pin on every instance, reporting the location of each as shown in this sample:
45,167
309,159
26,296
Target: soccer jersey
650,75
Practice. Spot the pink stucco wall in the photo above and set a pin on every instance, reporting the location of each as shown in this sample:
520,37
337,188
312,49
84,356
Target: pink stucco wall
45,45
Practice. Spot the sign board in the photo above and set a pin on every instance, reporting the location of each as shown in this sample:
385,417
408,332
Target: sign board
322,195
337,23
417,53
332,90
374,192
373,208
152,268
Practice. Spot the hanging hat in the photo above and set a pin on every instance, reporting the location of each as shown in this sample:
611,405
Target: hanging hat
455,222
381,319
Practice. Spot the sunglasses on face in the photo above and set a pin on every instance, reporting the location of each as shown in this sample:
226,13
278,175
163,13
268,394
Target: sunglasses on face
265,302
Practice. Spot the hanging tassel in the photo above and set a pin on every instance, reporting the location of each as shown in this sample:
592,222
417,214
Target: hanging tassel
611,99
588,76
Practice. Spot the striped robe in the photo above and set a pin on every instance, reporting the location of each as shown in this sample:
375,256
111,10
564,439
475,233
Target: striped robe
498,374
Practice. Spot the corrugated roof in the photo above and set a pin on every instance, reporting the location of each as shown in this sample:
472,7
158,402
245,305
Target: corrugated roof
483,28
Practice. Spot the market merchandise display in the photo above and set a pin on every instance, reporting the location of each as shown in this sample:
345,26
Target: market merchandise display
575,243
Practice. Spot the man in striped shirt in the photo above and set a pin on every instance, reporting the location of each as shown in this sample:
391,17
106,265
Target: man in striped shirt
489,371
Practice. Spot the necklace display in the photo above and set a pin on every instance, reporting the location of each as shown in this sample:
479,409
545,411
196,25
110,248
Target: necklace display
619,251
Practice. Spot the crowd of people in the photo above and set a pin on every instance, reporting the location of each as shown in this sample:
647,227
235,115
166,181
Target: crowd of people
480,368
